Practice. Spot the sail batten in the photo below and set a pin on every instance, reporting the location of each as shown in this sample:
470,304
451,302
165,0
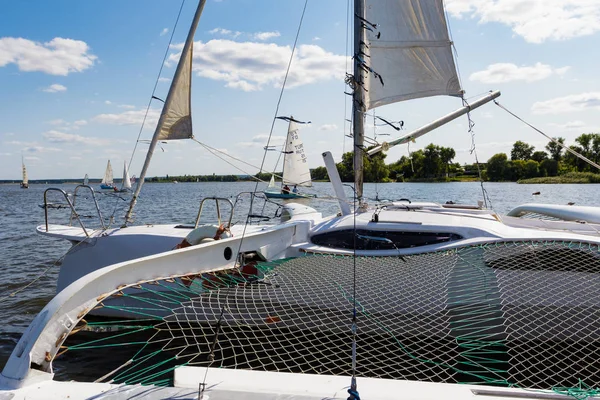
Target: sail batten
295,164
409,52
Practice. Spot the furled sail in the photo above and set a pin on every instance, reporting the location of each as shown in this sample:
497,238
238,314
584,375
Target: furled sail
25,178
177,121
126,179
295,165
409,52
108,175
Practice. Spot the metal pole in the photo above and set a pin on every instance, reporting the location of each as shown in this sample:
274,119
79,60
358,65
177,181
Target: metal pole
188,43
358,103
435,124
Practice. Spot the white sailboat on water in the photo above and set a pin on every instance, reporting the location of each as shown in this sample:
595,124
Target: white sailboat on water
25,181
126,184
443,294
86,180
295,167
107,180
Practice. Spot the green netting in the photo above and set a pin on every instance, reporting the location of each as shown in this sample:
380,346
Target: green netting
523,314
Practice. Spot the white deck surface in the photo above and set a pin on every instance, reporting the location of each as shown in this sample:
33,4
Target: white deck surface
227,384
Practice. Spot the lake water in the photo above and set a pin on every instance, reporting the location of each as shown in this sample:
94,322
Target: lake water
24,255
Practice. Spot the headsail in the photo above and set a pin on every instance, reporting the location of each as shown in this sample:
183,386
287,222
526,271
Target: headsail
177,114
272,182
108,175
409,52
126,181
295,165
86,179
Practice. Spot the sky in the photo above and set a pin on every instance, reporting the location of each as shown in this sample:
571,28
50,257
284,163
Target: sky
76,78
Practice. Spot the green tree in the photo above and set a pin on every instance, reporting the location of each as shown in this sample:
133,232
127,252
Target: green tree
433,162
521,151
497,167
549,167
531,169
517,170
319,174
556,151
539,156
447,154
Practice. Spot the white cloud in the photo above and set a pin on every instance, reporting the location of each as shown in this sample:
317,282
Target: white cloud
164,79
265,35
250,66
107,102
80,122
127,106
61,137
55,88
534,20
57,57
507,72
574,102
225,32
569,125
57,121
316,38
129,117
328,127
261,141
164,31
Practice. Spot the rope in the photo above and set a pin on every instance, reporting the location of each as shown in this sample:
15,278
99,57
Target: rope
40,276
473,151
150,102
213,151
346,97
570,150
262,164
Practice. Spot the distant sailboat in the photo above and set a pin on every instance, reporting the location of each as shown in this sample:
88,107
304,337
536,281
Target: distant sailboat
86,179
295,167
126,184
107,181
25,182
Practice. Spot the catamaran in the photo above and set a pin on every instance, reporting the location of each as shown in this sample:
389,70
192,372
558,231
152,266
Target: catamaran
25,181
107,180
295,167
397,299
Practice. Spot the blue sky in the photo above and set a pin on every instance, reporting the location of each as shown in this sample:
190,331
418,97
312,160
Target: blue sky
76,76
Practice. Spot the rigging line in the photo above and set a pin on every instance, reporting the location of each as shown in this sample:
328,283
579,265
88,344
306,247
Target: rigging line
213,150
156,82
486,197
40,276
262,164
346,97
137,141
576,154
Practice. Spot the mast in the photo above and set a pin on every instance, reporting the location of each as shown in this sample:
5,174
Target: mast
180,66
358,103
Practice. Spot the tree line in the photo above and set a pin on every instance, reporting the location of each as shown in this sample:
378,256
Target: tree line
436,163
525,162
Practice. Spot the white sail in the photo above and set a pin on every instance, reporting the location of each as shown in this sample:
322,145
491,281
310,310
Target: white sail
412,55
25,178
295,165
126,181
86,180
272,182
177,122
108,175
